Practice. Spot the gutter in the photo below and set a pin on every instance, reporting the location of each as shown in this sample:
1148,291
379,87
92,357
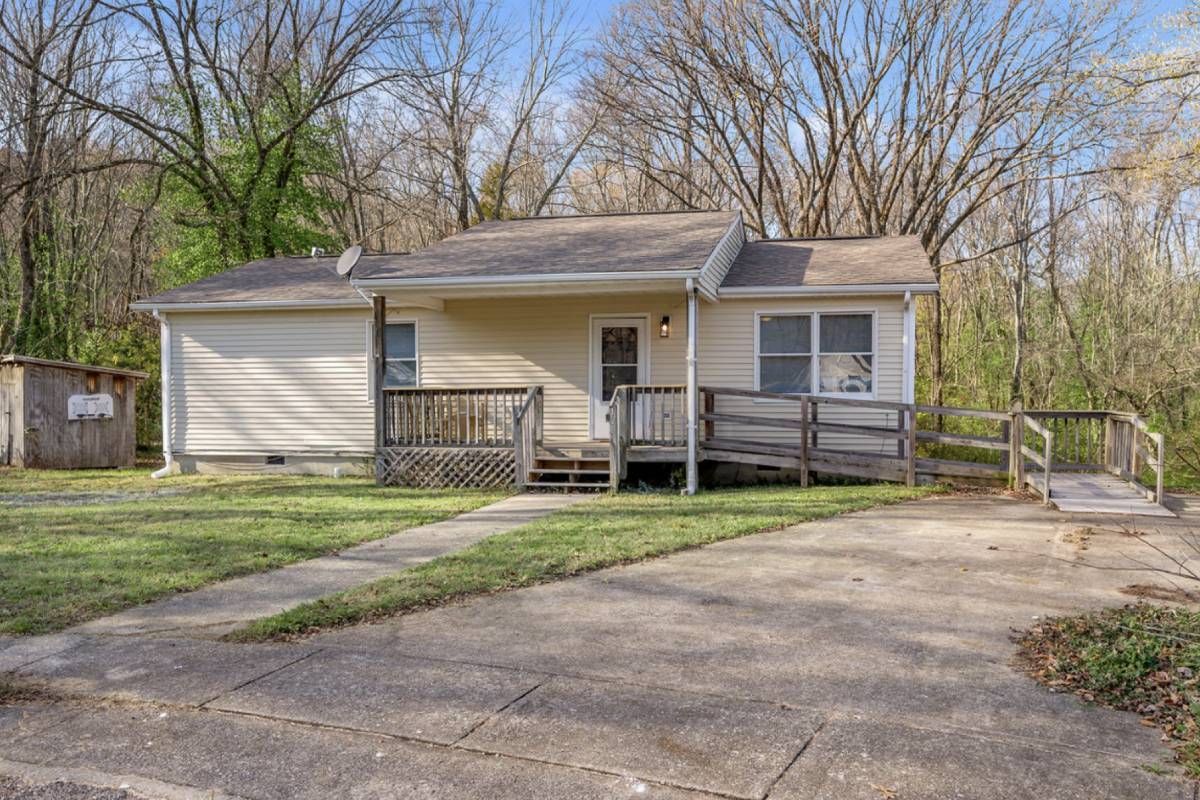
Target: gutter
523,280
832,289
245,305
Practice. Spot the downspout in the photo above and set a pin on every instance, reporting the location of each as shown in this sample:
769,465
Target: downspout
909,348
692,388
164,349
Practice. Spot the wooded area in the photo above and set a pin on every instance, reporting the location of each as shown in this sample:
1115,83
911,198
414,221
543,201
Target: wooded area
1044,153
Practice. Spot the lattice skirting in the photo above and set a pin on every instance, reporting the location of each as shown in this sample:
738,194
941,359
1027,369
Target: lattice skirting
445,467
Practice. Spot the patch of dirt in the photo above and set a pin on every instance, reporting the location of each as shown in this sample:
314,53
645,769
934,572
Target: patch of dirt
12,694
1079,537
1152,591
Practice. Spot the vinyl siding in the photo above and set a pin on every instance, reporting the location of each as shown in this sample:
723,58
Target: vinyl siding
270,382
540,341
263,382
727,250
727,359
297,381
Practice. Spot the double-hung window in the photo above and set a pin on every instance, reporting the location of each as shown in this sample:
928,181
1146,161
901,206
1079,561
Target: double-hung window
400,355
816,353
785,353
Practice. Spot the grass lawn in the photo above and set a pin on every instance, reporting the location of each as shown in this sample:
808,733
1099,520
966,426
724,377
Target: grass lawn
613,529
79,545
1141,658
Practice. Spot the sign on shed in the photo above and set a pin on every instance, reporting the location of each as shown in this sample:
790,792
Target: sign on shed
89,406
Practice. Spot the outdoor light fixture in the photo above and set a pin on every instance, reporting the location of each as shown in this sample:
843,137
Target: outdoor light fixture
664,327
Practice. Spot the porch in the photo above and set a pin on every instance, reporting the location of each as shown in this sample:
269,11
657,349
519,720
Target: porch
1087,461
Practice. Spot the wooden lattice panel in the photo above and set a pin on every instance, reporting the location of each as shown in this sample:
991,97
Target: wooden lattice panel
445,467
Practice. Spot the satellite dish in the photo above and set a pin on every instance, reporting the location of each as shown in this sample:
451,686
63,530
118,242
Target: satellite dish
348,259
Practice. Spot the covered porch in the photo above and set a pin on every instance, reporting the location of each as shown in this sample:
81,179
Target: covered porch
607,382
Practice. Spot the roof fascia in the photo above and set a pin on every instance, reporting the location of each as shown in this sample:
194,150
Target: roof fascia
247,305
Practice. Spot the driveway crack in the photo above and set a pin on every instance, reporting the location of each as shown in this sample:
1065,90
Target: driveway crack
795,758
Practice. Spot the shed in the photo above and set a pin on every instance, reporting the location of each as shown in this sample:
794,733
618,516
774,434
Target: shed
60,415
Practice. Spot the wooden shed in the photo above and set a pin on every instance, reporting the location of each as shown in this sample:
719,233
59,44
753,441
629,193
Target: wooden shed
59,415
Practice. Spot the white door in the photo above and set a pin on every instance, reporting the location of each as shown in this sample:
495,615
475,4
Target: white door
618,358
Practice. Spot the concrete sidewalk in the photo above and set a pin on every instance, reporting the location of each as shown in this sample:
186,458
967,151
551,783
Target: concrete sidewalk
218,609
853,658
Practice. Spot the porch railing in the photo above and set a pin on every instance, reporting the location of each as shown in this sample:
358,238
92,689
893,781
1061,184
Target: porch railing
527,434
450,417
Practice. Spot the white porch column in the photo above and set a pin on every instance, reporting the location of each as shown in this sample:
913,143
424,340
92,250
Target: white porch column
693,413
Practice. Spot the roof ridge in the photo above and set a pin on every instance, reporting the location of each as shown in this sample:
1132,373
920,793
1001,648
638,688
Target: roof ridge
836,238
601,214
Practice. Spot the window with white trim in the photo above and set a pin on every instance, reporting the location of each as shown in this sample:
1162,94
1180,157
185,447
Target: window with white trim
785,353
846,353
400,352
401,369
823,353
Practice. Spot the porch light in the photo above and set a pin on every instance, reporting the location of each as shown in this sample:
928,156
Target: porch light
664,327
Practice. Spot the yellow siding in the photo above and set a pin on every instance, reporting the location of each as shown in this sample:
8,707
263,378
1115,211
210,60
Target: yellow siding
540,341
259,382
727,359
270,382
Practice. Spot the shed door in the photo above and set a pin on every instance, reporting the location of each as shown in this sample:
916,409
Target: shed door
618,358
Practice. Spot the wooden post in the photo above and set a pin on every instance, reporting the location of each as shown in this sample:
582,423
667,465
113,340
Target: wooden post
804,411
1049,454
710,406
1016,438
379,309
1158,483
519,449
910,477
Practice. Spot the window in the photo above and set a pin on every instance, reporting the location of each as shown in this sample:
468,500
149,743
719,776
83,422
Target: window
846,354
785,353
400,369
841,362
400,351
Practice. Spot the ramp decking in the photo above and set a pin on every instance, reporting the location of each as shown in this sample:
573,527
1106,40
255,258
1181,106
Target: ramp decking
1101,493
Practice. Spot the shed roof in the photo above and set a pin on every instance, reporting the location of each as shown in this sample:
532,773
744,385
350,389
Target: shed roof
45,362
568,245
848,261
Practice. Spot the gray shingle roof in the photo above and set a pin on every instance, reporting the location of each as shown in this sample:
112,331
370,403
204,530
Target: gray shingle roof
831,262
284,279
571,245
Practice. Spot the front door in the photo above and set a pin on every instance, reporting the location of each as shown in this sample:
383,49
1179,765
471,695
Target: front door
618,358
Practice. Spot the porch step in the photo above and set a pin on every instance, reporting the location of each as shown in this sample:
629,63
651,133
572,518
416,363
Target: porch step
566,471
566,485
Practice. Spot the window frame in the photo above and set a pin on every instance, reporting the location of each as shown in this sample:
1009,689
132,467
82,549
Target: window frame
758,354
371,353
815,356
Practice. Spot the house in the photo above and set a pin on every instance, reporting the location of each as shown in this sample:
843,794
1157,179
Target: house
563,348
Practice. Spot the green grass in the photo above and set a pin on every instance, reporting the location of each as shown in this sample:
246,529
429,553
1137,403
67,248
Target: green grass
1141,658
610,530
101,541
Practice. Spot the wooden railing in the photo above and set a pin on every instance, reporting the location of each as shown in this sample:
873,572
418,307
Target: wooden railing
527,433
452,417
1043,459
1131,449
1024,447
804,450
619,435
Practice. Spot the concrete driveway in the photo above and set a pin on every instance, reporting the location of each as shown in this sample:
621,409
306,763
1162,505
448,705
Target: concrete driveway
866,656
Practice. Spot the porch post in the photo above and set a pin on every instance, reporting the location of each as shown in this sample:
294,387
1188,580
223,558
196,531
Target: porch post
379,309
693,414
